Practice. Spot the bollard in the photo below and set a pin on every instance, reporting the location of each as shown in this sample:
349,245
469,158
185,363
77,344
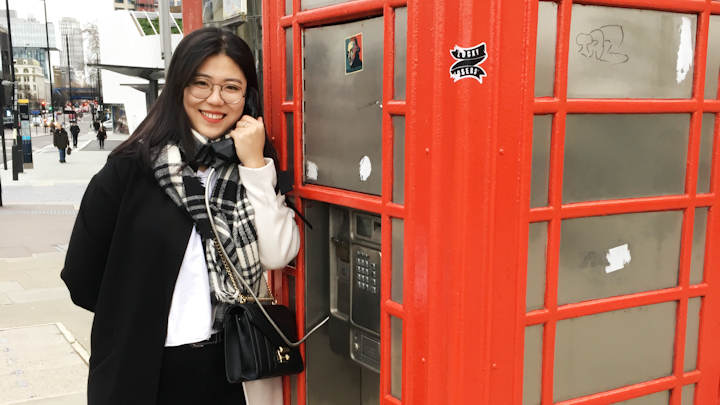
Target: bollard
17,161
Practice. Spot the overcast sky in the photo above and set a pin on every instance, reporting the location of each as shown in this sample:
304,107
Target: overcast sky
84,11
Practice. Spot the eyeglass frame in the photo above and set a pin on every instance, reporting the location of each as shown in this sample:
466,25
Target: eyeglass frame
212,90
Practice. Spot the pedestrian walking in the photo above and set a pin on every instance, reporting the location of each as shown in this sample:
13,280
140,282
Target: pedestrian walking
141,255
60,140
75,131
101,136
96,125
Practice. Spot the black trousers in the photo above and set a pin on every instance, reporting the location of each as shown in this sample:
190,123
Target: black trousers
196,376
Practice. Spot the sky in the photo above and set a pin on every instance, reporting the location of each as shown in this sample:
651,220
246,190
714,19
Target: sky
85,11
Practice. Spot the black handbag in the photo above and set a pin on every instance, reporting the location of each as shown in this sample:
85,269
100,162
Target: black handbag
259,338
253,349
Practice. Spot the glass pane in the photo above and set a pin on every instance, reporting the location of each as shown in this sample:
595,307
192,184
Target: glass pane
624,155
658,398
630,53
400,52
609,350
398,232
536,262
289,64
542,129
545,51
290,140
398,158
688,394
614,255
288,7
308,4
291,292
692,333
396,332
532,381
713,59
705,158
697,262
293,389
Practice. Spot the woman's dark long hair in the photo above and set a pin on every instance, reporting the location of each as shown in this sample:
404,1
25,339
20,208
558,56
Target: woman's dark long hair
167,121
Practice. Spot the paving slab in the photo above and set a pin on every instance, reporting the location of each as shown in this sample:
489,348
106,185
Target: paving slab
38,362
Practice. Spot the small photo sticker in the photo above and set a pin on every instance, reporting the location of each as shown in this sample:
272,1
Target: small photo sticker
353,54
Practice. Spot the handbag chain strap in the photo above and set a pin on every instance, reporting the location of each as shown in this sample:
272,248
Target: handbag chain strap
232,272
226,265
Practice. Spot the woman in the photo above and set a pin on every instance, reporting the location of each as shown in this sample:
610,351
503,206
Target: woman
141,254
60,140
101,136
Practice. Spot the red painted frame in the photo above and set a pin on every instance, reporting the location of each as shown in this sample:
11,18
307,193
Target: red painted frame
706,374
467,181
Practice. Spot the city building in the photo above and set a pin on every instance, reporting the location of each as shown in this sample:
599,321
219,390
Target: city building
31,83
30,40
146,5
72,43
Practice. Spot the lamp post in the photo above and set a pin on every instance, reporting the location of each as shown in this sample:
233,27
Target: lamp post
47,49
67,50
12,73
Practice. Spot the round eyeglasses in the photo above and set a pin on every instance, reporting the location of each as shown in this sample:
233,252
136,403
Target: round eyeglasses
230,93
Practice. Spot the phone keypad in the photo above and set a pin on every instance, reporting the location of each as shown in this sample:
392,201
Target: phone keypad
366,272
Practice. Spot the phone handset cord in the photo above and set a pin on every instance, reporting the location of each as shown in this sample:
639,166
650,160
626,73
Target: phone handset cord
245,285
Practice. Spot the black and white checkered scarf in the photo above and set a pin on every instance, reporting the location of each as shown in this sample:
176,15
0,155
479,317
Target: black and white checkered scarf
234,220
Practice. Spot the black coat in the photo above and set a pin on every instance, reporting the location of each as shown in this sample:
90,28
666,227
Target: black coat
60,138
74,130
122,262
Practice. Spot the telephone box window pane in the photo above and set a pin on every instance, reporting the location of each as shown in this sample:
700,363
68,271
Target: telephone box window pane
532,381
398,159
542,129
688,395
288,7
536,261
658,398
624,155
289,64
400,52
398,233
597,353
290,139
291,292
705,159
545,50
630,53
692,333
713,59
613,255
698,248
308,4
396,332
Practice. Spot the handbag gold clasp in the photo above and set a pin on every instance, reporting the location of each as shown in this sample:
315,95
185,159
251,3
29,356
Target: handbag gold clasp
282,353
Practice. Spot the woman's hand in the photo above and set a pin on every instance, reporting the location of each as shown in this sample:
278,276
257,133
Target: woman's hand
249,139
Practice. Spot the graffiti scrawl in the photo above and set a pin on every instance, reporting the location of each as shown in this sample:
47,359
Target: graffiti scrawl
602,44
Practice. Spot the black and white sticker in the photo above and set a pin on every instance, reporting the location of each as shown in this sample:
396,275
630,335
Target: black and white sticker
468,61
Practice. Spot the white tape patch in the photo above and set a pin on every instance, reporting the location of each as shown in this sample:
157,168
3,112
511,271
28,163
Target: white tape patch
618,257
365,168
311,171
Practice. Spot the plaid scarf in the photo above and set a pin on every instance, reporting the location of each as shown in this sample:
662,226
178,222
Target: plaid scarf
233,216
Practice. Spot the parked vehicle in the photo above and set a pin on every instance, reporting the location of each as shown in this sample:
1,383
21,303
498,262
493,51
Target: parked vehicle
108,125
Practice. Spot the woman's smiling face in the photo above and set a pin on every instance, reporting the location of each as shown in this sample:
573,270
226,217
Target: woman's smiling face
212,116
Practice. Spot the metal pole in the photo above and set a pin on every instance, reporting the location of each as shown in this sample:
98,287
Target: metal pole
12,72
67,49
164,14
47,48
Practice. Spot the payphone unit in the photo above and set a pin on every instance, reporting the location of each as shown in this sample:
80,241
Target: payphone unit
355,285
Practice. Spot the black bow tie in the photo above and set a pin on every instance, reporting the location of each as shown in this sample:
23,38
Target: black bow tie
214,154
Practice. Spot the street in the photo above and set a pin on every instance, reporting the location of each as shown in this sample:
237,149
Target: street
44,337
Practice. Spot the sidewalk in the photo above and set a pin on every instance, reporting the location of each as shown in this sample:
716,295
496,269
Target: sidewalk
44,338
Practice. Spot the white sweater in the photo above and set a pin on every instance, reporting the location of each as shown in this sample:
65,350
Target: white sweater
190,318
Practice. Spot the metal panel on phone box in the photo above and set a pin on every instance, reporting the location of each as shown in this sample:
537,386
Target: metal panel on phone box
343,106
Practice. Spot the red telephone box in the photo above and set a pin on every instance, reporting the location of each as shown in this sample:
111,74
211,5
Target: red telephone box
512,202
